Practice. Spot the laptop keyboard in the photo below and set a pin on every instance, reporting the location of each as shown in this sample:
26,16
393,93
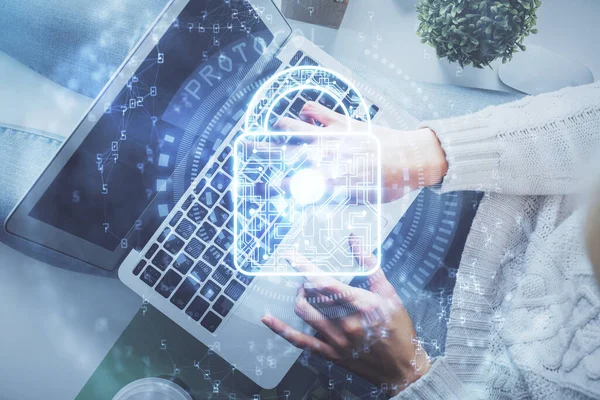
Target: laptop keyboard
191,262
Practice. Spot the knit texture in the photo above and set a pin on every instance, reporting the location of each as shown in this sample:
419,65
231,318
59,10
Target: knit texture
525,315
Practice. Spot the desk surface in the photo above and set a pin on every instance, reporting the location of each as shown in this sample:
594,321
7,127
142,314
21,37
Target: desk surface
58,325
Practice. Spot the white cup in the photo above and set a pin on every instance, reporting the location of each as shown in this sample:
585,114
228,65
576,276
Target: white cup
152,389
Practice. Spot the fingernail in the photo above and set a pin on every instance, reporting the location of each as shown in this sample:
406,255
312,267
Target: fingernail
267,320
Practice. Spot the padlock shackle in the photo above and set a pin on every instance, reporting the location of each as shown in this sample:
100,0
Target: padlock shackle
261,94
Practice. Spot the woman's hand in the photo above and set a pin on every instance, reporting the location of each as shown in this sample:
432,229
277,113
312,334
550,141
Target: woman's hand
410,159
365,331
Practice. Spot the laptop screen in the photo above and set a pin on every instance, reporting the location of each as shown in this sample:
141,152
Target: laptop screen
125,162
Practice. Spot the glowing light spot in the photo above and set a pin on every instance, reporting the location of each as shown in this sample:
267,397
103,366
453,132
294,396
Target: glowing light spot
308,186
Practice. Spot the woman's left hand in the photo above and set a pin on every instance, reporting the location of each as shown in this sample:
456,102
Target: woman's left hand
367,332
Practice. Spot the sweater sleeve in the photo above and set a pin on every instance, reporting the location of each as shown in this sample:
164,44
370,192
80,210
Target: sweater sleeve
535,146
439,383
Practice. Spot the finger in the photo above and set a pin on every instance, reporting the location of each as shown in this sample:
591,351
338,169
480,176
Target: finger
313,297
322,283
293,125
299,339
319,318
378,282
323,114
365,259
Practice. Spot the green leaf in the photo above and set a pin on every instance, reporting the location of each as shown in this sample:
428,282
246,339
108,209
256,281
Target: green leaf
476,31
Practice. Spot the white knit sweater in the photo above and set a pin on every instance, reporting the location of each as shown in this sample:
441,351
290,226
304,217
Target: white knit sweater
525,316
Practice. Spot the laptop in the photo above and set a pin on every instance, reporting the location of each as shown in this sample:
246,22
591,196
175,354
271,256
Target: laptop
144,184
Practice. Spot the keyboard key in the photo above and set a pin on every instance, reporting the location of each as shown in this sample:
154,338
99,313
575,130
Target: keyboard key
224,154
168,283
197,213
183,295
227,202
222,275
297,107
292,95
213,255
211,322
150,276
230,224
151,251
373,111
272,121
223,305
139,267
209,197
197,308
340,110
200,186
210,290
187,203
224,239
352,102
218,217
328,101
296,58
173,244
235,290
281,106
206,232
161,238
201,271
228,166
245,279
162,260
176,218
341,84
228,261
185,229
195,248
310,94
221,182
308,61
183,264
212,170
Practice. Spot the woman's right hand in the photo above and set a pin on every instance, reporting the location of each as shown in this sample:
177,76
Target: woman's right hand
410,159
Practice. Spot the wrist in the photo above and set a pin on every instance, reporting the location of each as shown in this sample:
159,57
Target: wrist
411,372
428,159
436,165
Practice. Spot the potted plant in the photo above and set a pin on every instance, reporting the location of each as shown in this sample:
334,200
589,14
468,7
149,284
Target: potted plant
476,32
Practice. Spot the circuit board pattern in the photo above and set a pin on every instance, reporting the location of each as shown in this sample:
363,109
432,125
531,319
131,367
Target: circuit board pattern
274,223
